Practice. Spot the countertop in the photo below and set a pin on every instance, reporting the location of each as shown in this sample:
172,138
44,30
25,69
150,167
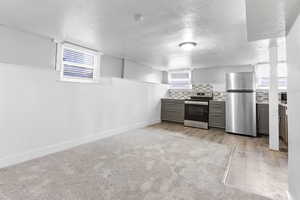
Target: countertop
262,102
186,99
282,104
172,99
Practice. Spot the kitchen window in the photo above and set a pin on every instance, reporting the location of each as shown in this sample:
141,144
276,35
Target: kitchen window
79,64
262,72
180,79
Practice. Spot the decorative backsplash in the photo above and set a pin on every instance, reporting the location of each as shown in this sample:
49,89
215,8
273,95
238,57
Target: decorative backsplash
206,88
180,94
203,88
261,96
219,96
184,94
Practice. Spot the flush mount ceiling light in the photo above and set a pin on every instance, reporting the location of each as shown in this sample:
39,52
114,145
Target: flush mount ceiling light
187,46
138,17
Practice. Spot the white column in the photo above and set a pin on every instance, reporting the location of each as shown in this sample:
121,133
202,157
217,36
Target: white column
273,99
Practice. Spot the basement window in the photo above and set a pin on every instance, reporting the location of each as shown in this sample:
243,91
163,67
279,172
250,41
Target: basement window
79,64
180,79
262,72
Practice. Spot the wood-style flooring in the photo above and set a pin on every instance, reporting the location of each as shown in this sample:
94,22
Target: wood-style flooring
252,167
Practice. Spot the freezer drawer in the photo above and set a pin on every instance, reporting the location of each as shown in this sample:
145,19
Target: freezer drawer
241,113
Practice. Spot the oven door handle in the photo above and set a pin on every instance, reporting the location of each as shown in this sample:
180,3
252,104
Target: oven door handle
196,103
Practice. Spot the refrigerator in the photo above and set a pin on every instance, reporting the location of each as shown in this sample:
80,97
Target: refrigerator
241,103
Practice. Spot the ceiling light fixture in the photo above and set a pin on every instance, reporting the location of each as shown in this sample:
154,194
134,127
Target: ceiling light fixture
138,17
187,46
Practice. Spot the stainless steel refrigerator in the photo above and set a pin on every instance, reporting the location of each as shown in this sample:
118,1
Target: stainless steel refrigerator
241,103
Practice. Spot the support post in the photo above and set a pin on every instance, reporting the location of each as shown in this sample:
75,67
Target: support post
273,98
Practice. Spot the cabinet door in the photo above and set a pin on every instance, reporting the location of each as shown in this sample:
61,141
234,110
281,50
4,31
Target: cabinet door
217,120
285,135
283,123
217,114
263,119
172,110
163,112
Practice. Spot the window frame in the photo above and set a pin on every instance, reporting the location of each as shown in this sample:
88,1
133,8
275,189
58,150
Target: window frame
96,67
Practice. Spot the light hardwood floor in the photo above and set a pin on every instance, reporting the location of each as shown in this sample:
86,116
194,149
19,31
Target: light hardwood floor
252,167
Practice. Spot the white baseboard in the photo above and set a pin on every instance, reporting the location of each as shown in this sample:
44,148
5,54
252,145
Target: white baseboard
36,153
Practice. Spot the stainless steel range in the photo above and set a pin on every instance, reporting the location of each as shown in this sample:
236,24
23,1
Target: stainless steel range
196,111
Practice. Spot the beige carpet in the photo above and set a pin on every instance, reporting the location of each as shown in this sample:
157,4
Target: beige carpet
142,164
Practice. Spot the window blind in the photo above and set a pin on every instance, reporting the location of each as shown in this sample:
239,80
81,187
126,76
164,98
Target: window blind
79,65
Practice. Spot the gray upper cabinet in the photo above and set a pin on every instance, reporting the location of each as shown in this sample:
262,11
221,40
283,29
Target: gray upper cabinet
262,118
172,110
217,114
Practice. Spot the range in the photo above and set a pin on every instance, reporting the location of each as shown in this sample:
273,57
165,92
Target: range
197,111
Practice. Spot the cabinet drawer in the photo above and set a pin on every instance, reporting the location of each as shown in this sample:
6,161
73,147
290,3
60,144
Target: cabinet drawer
173,107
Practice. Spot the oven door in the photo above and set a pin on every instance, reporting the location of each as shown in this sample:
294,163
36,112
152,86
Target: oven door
196,114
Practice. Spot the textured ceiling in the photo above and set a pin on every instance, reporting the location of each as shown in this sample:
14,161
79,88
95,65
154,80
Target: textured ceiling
292,10
218,26
265,19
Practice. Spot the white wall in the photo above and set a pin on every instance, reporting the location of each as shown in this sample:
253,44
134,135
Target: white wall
111,66
25,49
165,77
141,72
40,114
216,75
293,60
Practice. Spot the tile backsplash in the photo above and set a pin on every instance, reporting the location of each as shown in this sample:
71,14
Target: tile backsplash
180,94
206,88
203,88
261,96
219,96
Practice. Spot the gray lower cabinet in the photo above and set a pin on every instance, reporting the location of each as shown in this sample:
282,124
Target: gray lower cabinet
217,114
283,123
262,123
172,110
